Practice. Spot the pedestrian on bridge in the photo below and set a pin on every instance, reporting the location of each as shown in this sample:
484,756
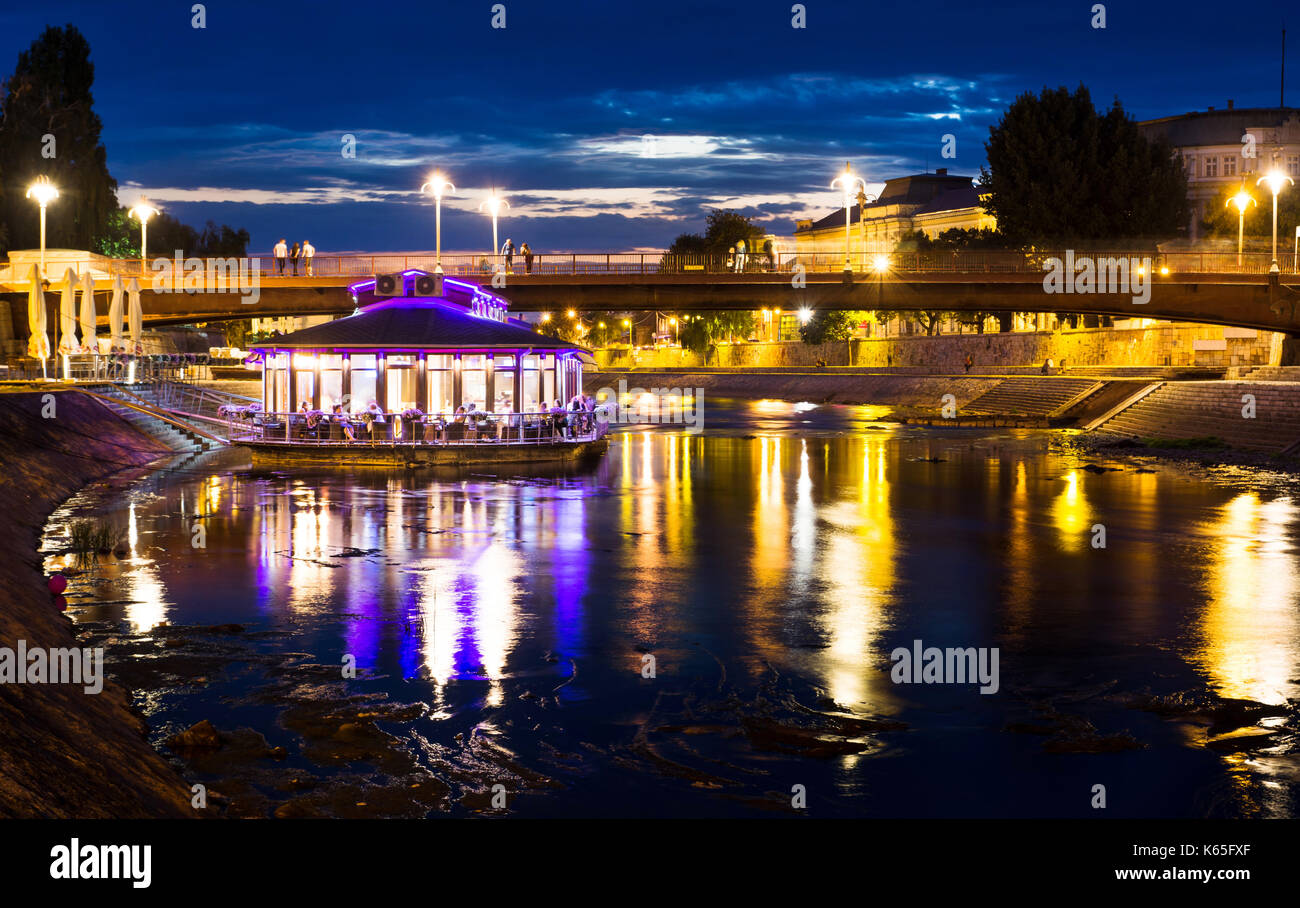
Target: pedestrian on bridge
508,250
740,255
280,251
527,252
308,250
293,258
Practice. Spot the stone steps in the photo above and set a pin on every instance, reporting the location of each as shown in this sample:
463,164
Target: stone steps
172,436
1032,396
1181,410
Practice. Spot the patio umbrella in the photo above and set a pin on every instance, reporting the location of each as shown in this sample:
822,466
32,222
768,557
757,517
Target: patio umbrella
68,314
87,317
38,345
115,316
135,316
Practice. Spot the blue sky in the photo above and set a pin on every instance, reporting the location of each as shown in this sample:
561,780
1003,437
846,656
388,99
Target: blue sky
242,122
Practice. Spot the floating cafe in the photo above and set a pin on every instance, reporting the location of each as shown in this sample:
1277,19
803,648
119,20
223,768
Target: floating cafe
428,370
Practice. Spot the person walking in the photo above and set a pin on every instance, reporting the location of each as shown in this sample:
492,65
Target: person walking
308,251
280,251
740,255
294,252
528,258
969,362
508,250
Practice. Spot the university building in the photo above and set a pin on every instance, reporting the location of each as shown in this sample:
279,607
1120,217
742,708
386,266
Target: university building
1220,148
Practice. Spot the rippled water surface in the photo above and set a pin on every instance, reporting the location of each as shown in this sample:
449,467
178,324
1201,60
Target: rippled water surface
764,570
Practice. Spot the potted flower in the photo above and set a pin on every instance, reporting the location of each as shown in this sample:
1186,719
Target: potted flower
411,417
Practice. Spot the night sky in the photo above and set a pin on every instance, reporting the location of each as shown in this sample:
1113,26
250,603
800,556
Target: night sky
242,122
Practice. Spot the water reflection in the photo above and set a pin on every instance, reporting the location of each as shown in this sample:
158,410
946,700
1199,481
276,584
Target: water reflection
728,556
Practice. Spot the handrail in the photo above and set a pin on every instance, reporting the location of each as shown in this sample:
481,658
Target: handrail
823,260
535,427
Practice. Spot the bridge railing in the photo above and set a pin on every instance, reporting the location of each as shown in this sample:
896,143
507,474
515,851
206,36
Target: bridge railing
630,264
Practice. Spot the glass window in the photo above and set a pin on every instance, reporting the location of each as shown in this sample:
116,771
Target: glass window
473,361
279,391
1229,166
400,359
331,388
548,384
306,387
440,392
1293,164
331,360
363,389
363,360
1211,167
473,383
401,390
503,361
505,392
438,361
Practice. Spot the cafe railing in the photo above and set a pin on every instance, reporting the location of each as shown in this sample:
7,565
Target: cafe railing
250,423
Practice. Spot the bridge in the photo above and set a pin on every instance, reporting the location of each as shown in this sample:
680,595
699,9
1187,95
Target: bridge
1207,287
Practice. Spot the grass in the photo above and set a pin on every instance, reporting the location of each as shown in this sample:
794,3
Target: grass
1200,441
87,537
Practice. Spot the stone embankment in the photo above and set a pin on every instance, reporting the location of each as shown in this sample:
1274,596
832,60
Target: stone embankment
1253,416
66,753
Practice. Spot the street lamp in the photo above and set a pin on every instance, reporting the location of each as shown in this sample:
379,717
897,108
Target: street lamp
44,192
1243,200
677,334
851,184
436,186
1276,181
143,211
628,325
494,203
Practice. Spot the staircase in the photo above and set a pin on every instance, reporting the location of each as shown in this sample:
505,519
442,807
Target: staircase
1273,373
168,431
1042,396
1180,410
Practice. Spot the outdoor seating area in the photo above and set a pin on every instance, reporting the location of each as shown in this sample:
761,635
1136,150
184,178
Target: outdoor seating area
313,427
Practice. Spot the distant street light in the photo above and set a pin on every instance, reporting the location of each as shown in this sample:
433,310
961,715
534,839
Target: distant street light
805,314
143,211
1276,181
44,192
851,184
628,325
436,186
1242,200
677,334
494,203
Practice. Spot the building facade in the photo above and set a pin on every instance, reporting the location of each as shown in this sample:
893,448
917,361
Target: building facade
928,202
1222,148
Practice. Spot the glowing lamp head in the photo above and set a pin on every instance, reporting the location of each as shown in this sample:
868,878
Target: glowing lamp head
805,314
546,316
880,263
1275,180
849,181
493,204
672,321
437,185
626,323
143,211
43,191
1164,270
571,314
1241,201
602,324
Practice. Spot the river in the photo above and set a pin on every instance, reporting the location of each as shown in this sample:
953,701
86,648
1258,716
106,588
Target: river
702,625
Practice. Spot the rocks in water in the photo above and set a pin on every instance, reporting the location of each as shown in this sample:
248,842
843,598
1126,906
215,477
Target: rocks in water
1096,468
200,736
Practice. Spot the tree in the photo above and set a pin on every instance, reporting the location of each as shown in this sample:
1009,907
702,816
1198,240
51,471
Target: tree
723,230
831,325
1060,172
701,330
1221,219
48,127
167,235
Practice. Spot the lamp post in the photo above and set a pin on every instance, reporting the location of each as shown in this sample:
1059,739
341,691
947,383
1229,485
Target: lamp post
1243,200
628,325
493,204
851,183
436,186
143,211
1276,181
44,192
677,334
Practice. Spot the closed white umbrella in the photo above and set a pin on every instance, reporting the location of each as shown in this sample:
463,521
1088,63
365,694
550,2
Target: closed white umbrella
87,316
38,345
135,316
68,314
115,316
